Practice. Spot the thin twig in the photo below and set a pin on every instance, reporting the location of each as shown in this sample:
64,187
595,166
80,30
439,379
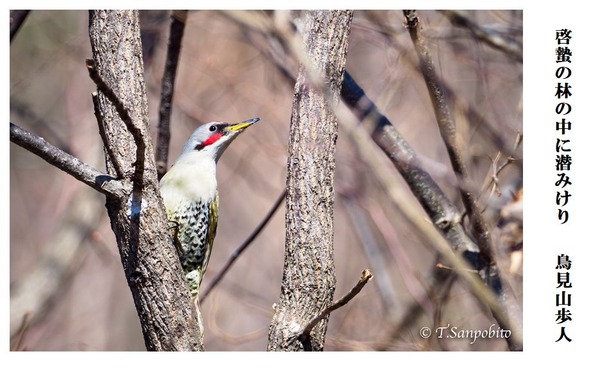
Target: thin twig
99,181
493,182
495,170
447,268
457,258
178,20
475,119
364,279
217,279
488,36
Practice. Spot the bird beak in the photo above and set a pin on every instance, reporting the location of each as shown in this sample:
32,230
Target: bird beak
239,127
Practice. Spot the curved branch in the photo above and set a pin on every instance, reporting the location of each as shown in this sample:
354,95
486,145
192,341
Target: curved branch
362,282
99,181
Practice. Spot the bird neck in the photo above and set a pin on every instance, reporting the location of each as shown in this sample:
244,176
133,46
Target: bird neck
195,177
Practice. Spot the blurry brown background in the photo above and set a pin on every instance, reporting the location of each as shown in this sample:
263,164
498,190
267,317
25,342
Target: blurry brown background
60,232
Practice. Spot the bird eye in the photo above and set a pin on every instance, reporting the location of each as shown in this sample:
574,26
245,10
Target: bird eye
212,128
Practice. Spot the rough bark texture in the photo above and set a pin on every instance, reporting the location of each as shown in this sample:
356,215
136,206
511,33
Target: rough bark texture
308,276
149,259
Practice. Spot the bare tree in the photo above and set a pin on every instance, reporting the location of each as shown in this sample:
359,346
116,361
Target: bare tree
309,274
139,221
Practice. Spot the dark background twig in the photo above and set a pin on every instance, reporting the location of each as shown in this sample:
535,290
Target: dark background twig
178,20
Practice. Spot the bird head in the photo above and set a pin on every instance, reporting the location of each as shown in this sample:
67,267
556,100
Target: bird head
214,137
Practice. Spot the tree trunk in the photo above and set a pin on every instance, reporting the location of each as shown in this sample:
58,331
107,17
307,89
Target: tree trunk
149,258
308,276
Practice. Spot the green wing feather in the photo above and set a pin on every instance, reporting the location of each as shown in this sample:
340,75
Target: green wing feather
212,230
194,279
185,230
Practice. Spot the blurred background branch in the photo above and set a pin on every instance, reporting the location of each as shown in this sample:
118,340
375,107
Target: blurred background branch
36,294
178,19
17,17
491,36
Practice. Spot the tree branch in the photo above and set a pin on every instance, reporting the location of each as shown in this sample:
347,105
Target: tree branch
364,279
438,207
448,133
456,258
99,181
178,20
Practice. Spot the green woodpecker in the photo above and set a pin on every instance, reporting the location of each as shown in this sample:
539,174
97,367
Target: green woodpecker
189,191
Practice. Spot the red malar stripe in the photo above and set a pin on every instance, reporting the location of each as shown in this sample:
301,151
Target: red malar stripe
212,139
